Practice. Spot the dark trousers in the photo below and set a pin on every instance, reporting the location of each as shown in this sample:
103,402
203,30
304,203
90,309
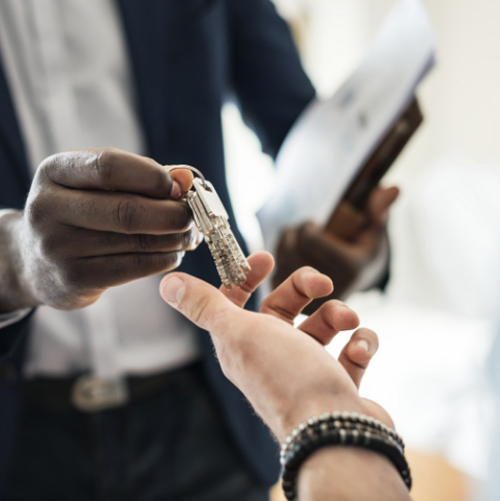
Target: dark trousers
169,446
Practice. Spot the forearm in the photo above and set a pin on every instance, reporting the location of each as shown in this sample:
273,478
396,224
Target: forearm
350,474
13,294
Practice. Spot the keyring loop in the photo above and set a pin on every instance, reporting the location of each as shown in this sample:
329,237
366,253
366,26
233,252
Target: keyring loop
192,169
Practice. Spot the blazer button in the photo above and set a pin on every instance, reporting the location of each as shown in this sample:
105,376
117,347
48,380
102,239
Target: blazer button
8,373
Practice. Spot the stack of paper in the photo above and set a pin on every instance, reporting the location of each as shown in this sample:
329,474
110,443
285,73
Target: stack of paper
333,138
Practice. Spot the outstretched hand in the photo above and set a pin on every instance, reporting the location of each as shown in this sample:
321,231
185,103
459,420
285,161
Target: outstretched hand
285,372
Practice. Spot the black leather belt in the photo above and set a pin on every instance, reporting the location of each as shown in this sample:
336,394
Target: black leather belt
89,394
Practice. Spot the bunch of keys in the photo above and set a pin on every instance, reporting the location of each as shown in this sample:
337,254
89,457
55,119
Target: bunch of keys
212,220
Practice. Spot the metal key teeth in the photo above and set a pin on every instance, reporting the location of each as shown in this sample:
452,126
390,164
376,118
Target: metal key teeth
238,264
238,275
224,262
211,219
238,253
219,253
234,272
229,263
219,262
225,279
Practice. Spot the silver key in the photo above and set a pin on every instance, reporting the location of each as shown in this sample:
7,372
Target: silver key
212,220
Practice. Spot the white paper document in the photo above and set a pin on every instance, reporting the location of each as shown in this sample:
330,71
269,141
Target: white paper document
333,138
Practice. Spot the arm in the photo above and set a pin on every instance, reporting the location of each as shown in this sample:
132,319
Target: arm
345,474
286,373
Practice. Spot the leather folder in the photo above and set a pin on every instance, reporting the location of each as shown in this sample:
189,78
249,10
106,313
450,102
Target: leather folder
349,217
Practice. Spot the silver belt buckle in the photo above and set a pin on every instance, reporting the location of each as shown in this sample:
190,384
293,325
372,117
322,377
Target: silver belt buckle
94,394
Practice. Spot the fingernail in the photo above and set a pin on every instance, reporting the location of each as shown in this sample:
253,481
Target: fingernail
176,192
363,345
173,290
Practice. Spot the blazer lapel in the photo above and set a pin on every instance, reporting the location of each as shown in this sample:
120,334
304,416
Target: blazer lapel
11,140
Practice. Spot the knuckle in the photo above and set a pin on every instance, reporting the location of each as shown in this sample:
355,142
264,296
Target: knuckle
327,311
38,211
104,165
50,245
162,182
49,166
128,215
306,269
337,303
202,311
179,218
73,274
142,242
332,306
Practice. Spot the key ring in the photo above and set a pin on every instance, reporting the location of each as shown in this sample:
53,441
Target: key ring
194,170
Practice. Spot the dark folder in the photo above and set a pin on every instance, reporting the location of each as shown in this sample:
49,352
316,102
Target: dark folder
349,216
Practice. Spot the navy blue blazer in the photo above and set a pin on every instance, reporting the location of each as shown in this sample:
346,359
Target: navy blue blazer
188,57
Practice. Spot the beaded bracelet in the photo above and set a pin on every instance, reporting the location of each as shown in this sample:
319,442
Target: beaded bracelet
339,428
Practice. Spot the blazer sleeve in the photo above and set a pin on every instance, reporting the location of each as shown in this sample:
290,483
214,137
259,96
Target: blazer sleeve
12,335
268,79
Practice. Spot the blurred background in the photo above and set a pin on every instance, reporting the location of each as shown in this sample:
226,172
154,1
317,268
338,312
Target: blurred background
439,317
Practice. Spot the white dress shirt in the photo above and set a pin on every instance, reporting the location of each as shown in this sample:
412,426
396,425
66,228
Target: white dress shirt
68,70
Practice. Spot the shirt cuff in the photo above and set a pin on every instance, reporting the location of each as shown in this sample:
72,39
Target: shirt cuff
10,318
7,319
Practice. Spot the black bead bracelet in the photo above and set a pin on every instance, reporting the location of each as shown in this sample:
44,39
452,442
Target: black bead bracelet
339,428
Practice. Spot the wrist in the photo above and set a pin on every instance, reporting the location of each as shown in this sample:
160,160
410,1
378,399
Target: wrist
335,473
338,430
14,290
316,406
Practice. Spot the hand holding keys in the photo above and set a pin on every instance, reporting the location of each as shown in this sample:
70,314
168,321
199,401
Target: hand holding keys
212,220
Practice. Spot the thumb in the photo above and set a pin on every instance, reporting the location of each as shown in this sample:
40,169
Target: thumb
199,302
380,202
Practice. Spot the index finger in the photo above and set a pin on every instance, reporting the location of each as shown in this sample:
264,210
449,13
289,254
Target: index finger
109,170
261,264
